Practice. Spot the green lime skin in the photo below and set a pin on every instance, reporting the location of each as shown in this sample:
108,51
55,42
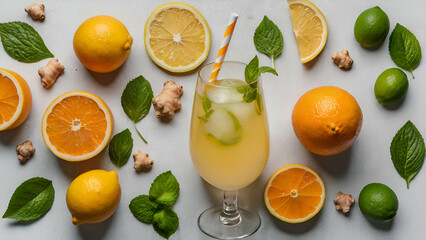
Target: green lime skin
371,27
391,86
378,203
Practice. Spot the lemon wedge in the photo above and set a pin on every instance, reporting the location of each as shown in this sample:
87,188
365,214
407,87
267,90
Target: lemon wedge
310,28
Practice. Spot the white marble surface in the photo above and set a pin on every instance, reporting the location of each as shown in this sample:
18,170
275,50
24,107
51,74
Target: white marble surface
368,160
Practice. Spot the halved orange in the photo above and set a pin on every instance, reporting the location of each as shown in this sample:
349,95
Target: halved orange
294,193
310,28
77,126
15,99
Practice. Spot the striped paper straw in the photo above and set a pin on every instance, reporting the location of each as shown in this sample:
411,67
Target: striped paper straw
224,47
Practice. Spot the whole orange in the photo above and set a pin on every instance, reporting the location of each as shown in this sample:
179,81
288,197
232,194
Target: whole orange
327,120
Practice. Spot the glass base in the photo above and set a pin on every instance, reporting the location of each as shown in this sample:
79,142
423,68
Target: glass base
209,223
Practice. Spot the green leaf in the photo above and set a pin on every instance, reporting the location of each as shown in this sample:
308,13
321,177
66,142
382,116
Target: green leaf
268,39
23,43
207,107
251,72
404,48
31,200
165,222
120,148
143,208
268,70
164,189
408,151
250,95
136,100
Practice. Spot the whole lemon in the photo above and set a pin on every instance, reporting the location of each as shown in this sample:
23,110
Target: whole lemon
327,120
102,43
93,196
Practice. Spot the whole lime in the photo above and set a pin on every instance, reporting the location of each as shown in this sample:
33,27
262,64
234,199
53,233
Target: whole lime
378,202
371,27
391,86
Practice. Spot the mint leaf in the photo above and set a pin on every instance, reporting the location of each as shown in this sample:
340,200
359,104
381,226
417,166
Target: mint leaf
408,151
268,70
120,148
143,208
250,95
268,39
23,43
136,100
165,222
252,72
31,200
207,107
404,48
164,189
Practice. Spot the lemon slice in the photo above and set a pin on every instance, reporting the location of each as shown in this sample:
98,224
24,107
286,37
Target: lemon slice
177,37
310,28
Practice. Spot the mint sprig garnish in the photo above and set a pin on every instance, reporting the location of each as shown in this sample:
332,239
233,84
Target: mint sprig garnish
23,43
136,100
120,148
404,48
252,73
31,200
155,207
408,151
268,39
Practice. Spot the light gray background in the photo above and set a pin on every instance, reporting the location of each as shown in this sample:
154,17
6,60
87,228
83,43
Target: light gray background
368,160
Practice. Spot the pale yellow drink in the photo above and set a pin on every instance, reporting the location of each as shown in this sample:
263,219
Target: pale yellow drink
230,146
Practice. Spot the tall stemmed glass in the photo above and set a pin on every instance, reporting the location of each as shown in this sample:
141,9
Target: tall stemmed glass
229,143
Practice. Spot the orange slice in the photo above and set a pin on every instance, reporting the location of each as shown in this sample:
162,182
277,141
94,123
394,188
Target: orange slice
77,126
310,28
294,193
177,37
15,99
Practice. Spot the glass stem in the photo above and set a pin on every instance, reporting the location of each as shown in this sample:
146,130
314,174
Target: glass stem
230,215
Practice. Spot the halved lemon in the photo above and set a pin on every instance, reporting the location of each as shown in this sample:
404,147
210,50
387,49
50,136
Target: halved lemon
15,99
77,126
177,37
294,193
310,28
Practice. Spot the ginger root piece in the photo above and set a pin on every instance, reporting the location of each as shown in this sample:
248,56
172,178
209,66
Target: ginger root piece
342,59
36,11
25,150
50,72
142,161
167,102
344,202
